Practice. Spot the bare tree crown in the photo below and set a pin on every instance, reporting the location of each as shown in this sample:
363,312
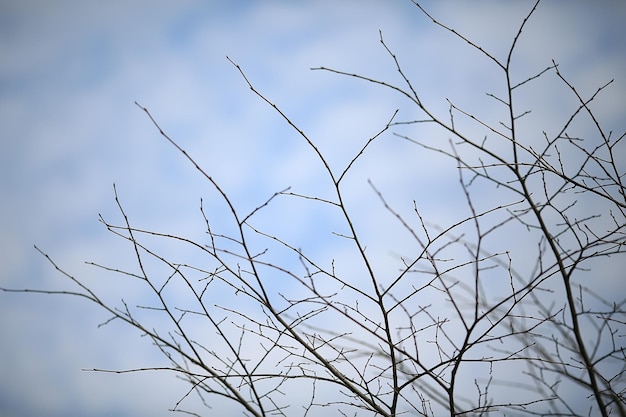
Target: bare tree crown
459,322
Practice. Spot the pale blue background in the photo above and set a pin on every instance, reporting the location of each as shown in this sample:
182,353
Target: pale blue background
71,70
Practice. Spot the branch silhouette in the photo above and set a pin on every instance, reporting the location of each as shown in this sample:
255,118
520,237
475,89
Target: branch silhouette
459,326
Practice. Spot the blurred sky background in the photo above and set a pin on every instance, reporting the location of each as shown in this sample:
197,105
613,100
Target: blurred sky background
70,72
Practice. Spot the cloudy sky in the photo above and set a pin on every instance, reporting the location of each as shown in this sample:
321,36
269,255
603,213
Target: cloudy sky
70,72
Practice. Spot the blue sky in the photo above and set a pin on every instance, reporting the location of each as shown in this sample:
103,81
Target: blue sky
70,72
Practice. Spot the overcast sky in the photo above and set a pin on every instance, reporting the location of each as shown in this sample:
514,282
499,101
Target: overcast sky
70,72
